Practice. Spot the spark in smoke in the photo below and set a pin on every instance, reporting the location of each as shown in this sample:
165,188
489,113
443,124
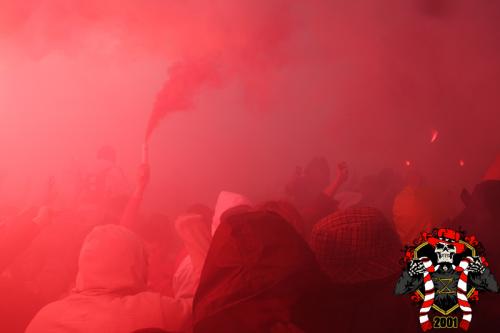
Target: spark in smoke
407,163
461,163
434,135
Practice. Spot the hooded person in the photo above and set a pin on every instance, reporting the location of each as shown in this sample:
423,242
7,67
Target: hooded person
259,275
110,293
360,251
162,245
199,240
192,228
226,201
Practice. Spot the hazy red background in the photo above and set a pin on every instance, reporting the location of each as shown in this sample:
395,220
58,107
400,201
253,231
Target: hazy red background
361,81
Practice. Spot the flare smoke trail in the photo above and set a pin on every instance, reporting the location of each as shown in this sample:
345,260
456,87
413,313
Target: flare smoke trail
269,83
185,80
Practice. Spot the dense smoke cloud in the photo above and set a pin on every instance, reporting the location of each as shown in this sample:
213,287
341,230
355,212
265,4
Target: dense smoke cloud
362,81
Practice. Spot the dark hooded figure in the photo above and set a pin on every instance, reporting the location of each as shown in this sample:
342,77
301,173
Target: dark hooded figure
259,277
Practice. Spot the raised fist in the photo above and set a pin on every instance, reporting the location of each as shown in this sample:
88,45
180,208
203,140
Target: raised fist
416,268
476,266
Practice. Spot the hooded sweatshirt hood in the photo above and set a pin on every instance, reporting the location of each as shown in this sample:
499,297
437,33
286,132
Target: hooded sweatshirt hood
226,201
194,232
110,291
258,272
112,260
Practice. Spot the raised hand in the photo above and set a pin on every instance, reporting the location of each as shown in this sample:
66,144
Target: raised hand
476,266
416,268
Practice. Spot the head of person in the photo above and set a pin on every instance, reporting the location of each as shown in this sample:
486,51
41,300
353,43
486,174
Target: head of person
356,245
258,272
112,260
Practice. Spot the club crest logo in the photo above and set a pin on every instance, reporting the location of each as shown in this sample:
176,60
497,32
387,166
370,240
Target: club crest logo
444,271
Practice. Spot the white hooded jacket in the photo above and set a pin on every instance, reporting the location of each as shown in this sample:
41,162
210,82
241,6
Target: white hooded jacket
198,243
110,291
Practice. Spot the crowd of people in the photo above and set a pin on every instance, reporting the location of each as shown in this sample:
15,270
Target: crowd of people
324,257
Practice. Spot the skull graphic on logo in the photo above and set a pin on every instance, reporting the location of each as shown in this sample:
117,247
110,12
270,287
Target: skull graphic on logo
445,252
444,283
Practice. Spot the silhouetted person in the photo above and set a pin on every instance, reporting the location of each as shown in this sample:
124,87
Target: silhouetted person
312,191
110,293
259,277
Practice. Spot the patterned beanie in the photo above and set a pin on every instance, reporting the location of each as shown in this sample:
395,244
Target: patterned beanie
356,245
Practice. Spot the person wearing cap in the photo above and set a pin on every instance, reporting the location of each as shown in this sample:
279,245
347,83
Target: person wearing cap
359,250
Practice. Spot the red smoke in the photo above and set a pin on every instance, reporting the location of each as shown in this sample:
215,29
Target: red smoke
184,82
357,81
